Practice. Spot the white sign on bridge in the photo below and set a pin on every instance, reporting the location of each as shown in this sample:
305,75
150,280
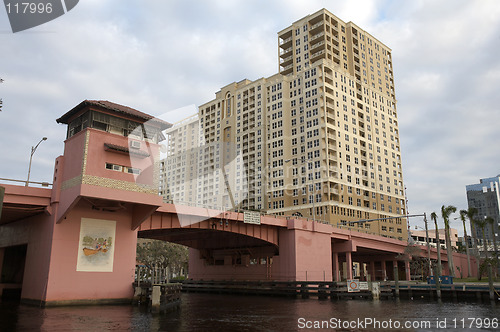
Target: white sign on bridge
363,285
250,217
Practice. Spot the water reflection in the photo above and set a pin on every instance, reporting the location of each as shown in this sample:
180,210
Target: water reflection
214,312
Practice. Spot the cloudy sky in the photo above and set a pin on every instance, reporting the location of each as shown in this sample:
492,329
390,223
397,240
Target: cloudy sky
170,56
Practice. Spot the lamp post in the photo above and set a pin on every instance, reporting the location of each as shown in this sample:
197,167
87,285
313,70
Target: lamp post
33,149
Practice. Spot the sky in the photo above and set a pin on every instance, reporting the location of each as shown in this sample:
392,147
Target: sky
168,57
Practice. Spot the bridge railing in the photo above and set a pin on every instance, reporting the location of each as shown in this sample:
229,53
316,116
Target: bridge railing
155,275
43,184
223,209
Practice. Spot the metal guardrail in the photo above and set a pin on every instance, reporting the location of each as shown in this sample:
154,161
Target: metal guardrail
43,184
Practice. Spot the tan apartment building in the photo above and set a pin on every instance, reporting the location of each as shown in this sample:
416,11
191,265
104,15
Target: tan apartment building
179,170
320,139
236,120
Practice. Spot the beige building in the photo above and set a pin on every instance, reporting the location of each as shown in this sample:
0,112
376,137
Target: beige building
236,119
319,139
419,237
179,170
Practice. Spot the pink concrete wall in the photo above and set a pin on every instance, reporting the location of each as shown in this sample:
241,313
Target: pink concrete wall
98,157
307,252
284,266
67,284
460,261
50,270
73,152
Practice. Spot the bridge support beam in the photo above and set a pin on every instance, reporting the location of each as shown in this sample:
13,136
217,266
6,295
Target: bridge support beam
384,270
407,270
57,271
372,270
336,269
348,264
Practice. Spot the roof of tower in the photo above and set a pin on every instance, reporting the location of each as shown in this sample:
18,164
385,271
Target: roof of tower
110,106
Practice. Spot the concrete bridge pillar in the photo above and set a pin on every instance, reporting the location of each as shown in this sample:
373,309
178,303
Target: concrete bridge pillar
348,260
384,270
407,270
395,266
305,252
335,270
372,270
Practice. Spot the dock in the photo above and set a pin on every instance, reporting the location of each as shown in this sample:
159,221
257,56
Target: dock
339,290
456,291
302,289
159,297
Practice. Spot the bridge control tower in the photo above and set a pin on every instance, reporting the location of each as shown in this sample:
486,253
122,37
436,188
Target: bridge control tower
80,245
111,159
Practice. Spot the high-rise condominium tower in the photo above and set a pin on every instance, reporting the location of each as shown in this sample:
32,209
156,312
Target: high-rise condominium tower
485,197
320,139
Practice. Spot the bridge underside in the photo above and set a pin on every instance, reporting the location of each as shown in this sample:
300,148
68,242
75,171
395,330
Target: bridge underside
214,245
206,239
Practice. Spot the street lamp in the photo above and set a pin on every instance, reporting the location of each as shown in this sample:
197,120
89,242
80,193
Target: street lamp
33,149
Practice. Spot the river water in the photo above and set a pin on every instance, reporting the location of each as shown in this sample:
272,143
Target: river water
217,312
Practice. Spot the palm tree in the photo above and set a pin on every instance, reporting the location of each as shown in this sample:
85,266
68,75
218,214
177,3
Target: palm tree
491,221
463,214
471,212
434,217
445,213
482,225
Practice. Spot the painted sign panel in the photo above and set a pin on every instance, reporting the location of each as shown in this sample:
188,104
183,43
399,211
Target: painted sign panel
250,217
363,285
96,247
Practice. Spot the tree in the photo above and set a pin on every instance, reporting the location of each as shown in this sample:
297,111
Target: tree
445,213
482,225
463,215
494,260
161,254
413,255
491,221
471,212
434,217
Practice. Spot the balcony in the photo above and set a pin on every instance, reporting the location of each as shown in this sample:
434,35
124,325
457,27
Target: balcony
316,46
330,120
285,43
286,70
318,55
285,52
332,139
286,61
317,36
316,27
333,190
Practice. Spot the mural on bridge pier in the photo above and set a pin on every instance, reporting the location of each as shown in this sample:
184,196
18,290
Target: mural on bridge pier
96,246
